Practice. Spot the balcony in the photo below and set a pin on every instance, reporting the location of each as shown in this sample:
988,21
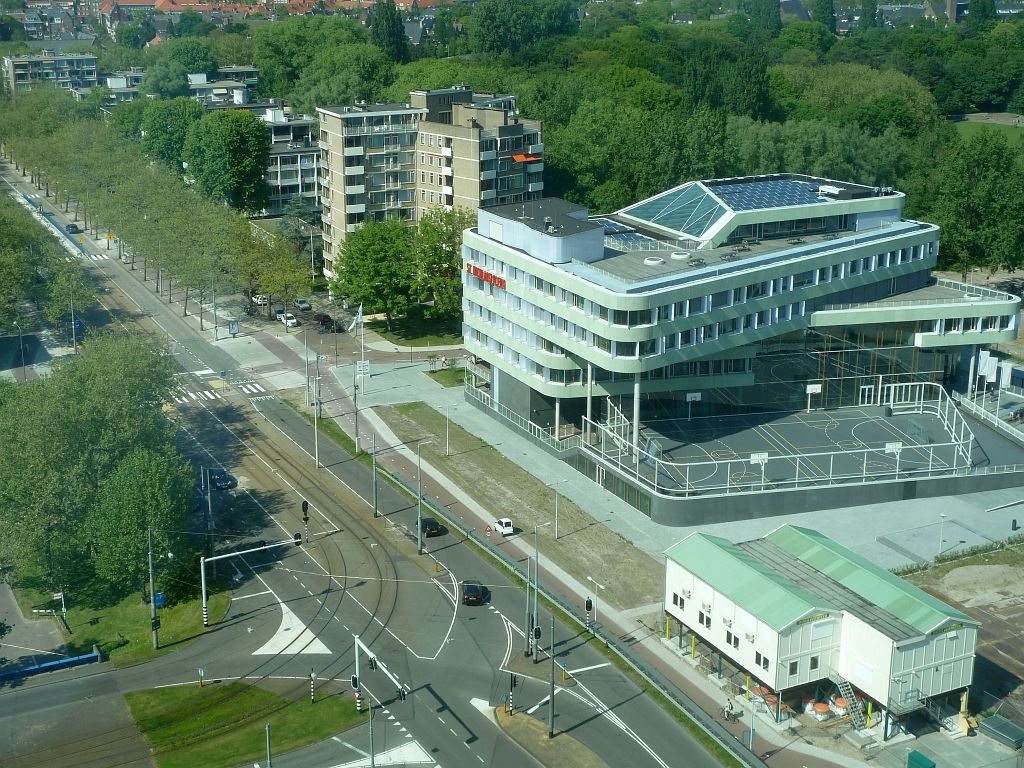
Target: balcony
447,190
535,167
445,171
351,227
354,170
536,186
354,151
488,155
487,175
446,151
536,149
355,189
360,208
488,194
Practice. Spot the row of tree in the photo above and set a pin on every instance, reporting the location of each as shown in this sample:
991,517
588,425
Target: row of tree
94,467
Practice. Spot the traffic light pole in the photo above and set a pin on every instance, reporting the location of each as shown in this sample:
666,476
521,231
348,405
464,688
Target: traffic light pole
551,695
152,593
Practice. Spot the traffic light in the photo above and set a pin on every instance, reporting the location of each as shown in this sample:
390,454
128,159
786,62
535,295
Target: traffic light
298,539
536,633
589,605
515,680
305,510
355,682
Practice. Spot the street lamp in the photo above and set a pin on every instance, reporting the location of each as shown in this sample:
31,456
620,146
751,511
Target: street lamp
554,486
536,581
419,497
21,344
152,592
942,522
601,587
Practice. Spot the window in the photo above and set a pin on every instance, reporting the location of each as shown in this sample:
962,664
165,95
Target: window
678,601
704,619
732,639
794,668
813,665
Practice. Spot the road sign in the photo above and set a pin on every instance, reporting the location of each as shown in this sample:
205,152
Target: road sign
487,532
759,458
159,600
58,595
232,327
363,367
156,624
81,240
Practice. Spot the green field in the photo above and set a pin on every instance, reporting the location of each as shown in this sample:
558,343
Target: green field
417,330
969,129
225,725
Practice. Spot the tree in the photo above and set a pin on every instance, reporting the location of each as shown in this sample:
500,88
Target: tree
342,75
165,79
980,197
824,12
136,34
193,54
165,125
227,154
766,15
283,50
868,14
387,31
981,15
230,49
11,29
512,26
437,255
191,24
376,268
146,491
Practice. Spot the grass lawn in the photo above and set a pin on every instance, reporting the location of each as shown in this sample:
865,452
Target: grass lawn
417,330
968,129
453,376
225,725
122,631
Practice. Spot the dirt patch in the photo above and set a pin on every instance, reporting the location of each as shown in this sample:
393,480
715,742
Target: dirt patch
585,547
985,585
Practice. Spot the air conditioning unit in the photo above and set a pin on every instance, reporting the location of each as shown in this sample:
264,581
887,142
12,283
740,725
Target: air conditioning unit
727,622
750,637
705,606
685,593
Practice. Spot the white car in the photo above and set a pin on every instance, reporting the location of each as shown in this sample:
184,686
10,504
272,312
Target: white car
260,300
504,526
289,320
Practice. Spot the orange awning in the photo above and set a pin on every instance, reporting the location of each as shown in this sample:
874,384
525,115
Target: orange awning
524,158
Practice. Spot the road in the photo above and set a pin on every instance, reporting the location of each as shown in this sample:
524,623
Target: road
295,609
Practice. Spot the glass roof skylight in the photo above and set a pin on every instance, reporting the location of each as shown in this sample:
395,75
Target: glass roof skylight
764,193
690,209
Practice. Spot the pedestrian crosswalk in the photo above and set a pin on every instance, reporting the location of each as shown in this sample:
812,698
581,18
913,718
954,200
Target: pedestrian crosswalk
183,396
250,387
90,256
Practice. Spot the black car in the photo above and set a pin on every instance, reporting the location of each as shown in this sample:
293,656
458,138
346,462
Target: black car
221,480
473,593
73,229
431,527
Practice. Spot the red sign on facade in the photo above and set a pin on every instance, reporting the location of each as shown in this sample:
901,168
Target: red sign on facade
487,277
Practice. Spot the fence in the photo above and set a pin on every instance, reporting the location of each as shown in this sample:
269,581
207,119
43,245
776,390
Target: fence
51,666
795,470
543,435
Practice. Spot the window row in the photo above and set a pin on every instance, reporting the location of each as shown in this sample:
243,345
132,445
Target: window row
702,304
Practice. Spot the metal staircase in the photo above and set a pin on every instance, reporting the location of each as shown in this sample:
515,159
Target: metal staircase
853,704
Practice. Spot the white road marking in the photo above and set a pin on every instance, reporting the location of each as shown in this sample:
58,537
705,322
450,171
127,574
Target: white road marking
355,749
254,594
586,669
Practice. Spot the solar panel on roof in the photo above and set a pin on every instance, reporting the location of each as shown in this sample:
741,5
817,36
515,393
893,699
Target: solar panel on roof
611,227
774,193
688,209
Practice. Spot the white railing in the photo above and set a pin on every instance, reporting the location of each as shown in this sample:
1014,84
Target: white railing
764,471
544,435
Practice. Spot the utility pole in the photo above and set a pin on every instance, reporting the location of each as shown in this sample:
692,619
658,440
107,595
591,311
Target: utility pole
527,629
152,593
551,700
373,458
372,763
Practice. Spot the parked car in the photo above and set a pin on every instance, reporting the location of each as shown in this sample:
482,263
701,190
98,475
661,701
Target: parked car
260,299
279,313
301,304
221,480
321,318
290,320
503,525
431,527
473,593
73,229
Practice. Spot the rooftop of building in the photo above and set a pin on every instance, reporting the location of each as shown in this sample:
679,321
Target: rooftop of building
351,110
551,215
48,55
793,571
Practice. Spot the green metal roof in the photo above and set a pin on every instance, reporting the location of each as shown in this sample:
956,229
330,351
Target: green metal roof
746,581
876,585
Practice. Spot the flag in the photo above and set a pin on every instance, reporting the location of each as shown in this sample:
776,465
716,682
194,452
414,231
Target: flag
357,319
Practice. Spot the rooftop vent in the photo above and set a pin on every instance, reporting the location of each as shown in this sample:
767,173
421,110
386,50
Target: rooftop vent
653,261
680,255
